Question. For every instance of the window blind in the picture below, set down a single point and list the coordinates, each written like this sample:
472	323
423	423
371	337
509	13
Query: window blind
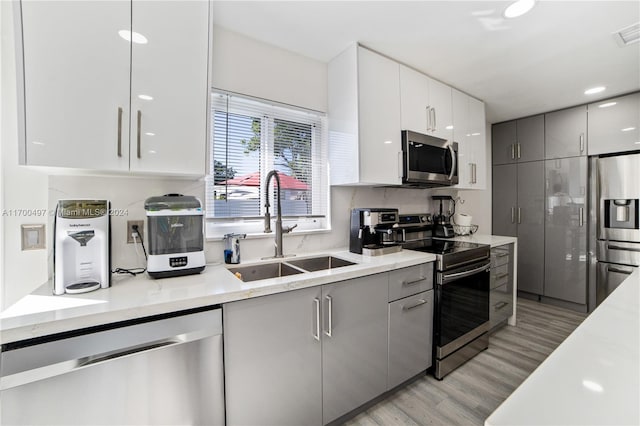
250	137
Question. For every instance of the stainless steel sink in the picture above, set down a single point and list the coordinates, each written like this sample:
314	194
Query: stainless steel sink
264	271
320	263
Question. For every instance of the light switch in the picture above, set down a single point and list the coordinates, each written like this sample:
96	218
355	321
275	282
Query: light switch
33	237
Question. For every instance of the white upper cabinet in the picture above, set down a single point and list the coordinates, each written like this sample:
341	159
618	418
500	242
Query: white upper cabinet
614	125
470	132
426	105
76	84
364	119
94	100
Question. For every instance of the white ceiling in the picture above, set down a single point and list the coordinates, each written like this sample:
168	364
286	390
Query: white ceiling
536	63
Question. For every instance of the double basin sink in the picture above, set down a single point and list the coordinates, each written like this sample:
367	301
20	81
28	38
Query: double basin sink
285	268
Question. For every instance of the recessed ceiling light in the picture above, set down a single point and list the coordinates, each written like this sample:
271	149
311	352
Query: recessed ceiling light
449	127
607	105
150	134
519	8
145	97
133	36
627	129
594	90
388	142
592	386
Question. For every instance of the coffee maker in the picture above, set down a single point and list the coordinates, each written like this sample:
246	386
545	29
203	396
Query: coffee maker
373	231
81	247
442	227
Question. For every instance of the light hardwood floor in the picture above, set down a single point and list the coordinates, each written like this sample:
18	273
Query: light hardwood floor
468	395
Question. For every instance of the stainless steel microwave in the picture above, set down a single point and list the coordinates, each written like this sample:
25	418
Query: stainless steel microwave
428	161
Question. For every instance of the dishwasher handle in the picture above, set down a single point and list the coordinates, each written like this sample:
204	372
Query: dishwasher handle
64	367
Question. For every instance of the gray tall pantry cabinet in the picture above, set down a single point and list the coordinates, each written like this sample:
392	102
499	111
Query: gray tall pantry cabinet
566	174
539	195
518	194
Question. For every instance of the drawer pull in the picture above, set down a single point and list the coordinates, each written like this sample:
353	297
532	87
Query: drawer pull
420	303
499	305
502	254
414	282
501	276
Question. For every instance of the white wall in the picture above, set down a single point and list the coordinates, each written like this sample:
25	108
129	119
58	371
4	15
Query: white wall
22	189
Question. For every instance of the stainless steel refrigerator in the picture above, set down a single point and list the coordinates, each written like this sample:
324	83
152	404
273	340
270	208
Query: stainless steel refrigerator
615	206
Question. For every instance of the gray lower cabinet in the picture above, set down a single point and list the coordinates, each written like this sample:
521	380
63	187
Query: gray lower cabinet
614	125
565	133
410	337
566	229
518	211
306	357
273	358
501	294
354	344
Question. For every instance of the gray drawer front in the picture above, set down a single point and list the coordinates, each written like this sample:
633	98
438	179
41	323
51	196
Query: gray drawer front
409	281
410	335
499	256
499	276
500	304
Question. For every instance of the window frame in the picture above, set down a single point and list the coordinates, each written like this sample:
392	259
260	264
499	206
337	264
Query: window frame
253	226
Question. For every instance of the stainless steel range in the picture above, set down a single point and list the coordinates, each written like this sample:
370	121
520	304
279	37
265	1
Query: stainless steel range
462	283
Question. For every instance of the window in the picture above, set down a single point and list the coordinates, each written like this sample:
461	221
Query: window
251	137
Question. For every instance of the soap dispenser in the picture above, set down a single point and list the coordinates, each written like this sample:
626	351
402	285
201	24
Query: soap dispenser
232	248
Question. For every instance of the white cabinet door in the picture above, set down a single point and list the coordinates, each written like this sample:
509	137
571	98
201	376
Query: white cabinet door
414	99
614	125
478	140
441	111
354	345
379	119
169	87
76	84
469	131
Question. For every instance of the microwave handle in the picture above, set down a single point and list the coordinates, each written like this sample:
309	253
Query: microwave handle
453	161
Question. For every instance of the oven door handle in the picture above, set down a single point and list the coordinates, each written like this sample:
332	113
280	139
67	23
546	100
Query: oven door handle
453	277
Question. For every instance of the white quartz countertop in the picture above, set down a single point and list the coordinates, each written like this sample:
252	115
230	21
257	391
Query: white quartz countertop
41	313
592	378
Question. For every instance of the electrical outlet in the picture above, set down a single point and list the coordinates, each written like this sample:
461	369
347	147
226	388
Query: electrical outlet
130	231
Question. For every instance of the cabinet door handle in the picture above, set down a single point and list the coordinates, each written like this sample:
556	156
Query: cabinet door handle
581	217
619	271
316	335
513	151
501	276
475	173
500	305
581	142
518	149
470	173
414	282
139	131
428	112
329	316
502	254
435	119
513	215
400	165
420	303
119	131
519	216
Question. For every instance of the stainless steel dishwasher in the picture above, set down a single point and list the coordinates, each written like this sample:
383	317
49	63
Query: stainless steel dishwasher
165	369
